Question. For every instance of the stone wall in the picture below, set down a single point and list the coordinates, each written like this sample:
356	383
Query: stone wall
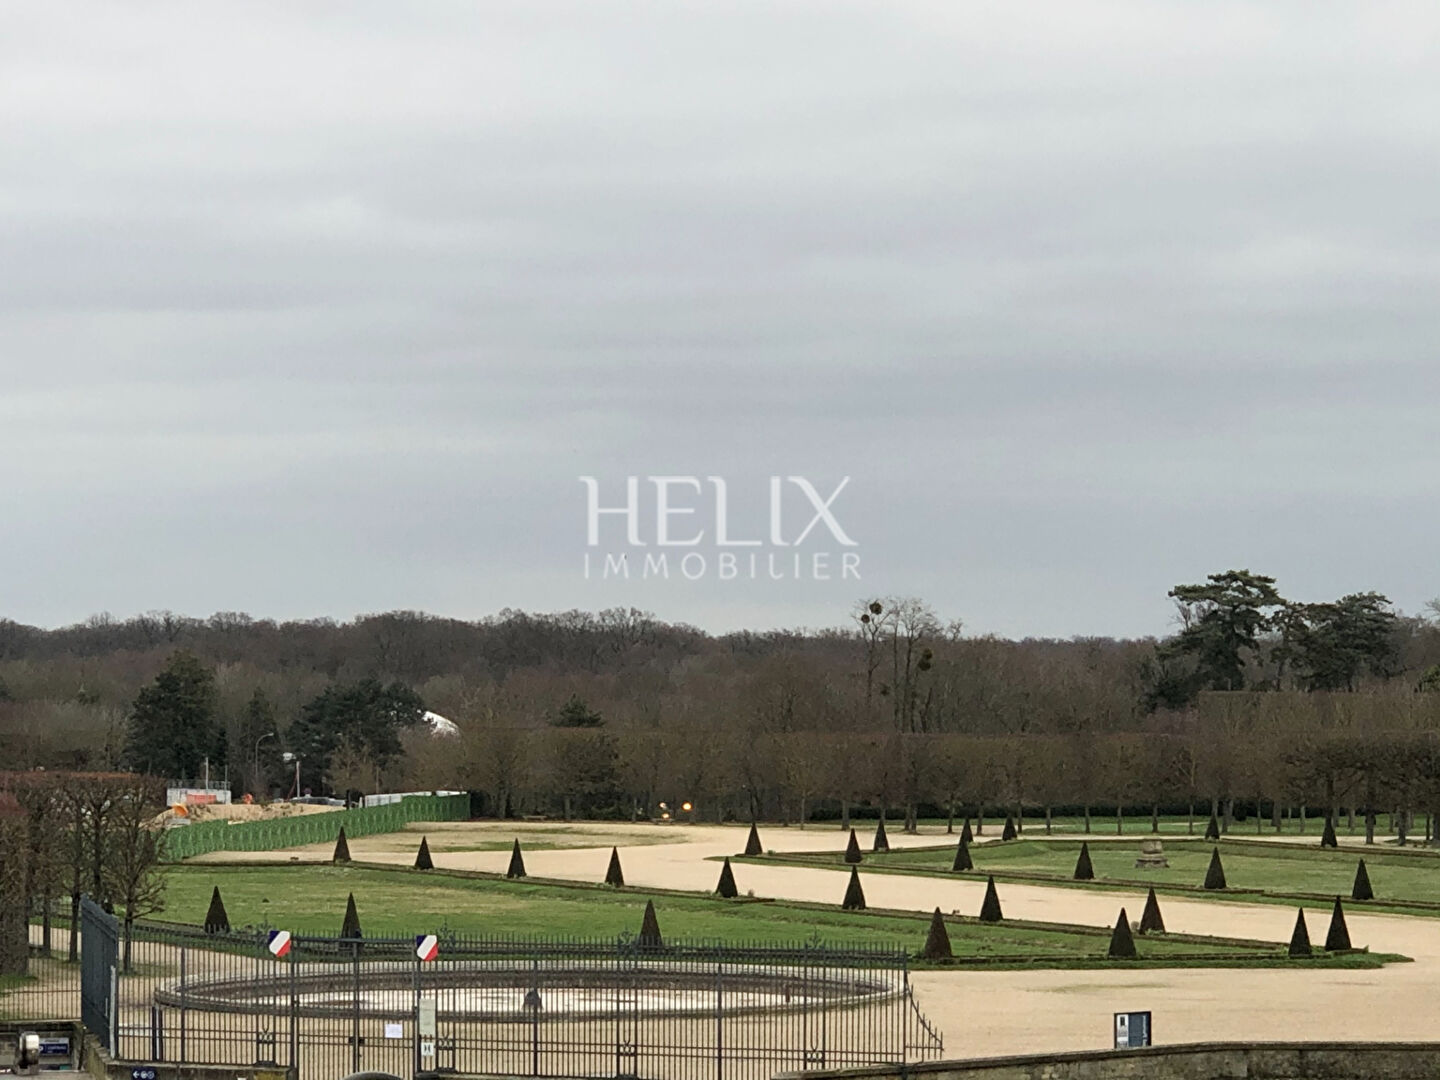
1198	1061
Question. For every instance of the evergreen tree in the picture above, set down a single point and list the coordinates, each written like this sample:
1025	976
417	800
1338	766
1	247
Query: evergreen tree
1212	830
727	888
1215	873
1008	833
422	857
1151	921
342	848
216	920
172	727
1083	870
990	906
882	842
854	894
1327	837
752	842
937	942
1300	938
1361	889
1122	942
368	718
965	834
613	876
852	849
650	929
350	928
962	861
1338	937
516	869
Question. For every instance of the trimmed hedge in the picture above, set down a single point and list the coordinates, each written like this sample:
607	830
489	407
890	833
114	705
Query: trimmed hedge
184	841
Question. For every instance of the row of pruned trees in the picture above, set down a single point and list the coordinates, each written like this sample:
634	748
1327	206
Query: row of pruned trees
70	835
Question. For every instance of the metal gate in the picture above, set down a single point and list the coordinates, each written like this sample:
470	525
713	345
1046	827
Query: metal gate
99	954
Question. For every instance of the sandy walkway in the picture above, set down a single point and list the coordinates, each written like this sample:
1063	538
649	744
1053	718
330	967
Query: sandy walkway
984	1013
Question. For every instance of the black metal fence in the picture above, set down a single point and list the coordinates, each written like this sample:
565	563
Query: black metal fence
513	1006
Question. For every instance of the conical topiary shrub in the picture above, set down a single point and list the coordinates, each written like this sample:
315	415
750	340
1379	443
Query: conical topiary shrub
854	894
1083	870
882	842
1327	837
1300	937
1338	937
1122	942
216	921
1212	830
613	876
350	928
727	888
422	857
1151	921
937	942
962	857
852	849
342	848
649	937
1215	875
752	842
516	869
966	836
1361	889
990	906
1008	833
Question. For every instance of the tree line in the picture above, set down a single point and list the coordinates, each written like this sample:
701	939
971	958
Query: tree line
614	712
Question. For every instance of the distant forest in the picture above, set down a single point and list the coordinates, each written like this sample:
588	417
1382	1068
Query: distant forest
1253	701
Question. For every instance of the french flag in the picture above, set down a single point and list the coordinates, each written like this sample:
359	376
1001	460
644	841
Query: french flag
280	942
427	946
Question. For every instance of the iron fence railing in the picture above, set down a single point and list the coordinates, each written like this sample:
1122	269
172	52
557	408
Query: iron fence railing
544	1007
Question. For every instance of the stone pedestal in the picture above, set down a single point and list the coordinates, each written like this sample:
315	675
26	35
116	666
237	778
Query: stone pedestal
1152	856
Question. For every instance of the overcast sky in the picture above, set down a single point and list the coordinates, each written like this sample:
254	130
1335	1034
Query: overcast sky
319	309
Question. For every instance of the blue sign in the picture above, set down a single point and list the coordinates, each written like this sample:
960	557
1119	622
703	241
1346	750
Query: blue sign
55	1046
142	1074
1132	1030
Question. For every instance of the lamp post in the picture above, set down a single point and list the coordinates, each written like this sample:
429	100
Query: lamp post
288	757
261	739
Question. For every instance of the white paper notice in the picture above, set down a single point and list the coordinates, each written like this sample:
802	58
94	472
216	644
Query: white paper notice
394	1031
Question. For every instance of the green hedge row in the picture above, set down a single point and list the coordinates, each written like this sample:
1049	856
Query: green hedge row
183	841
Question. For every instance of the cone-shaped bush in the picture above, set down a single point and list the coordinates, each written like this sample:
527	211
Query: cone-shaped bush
966	836
216	921
1338	937
613	876
854	894
852	849
422	857
962	856
727	888
882	842
1083	870
1122	942
1327	838
650	929
1361	889
1151	921
1212	831
752	842
1008	833
350	928
937	942
990	906
1215	875
517	863
342	848
1300	937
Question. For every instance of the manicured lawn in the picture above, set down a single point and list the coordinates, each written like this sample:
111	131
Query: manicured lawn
1102	825
1397	876
311	899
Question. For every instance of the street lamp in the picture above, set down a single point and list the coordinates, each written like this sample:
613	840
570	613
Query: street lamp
288	757
262	738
